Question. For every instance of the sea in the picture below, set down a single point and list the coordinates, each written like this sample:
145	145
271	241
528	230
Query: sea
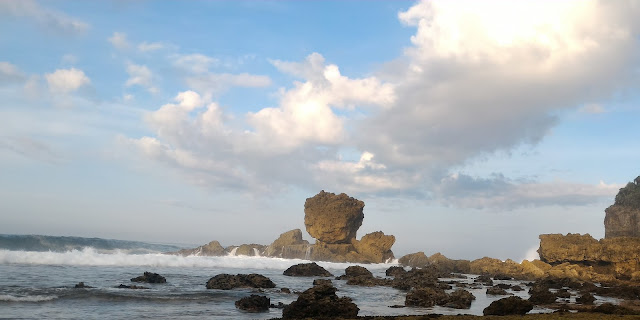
38	275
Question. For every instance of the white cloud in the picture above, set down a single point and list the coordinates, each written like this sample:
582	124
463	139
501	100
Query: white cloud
140	75
48	19
150	46
194	63
10	73
119	40
64	81
467	87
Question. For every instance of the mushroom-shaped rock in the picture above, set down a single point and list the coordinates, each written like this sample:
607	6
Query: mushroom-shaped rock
332	218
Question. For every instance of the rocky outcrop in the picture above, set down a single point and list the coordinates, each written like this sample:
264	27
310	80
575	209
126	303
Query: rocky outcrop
619	257
438	260
289	245
622	219
507	306
307	270
254	303
361	276
213	248
149	277
320	302
227	281
429	296
375	247
333	219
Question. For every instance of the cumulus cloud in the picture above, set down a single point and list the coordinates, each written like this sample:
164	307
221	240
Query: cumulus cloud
10	73
48	19
64	81
194	63
140	75
150	46
478	78
119	40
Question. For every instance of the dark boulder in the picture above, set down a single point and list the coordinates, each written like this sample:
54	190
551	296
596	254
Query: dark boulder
227	281
254	303
149	277
586	298
81	285
356	271
460	299
307	270
426	297
318	282
320	302
416	278
360	276
609	308
495	290
541	295
507	306
395	271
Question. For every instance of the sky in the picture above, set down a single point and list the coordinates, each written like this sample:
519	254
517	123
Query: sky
467	127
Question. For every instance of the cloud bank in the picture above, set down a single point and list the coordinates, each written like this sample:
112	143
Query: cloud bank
467	87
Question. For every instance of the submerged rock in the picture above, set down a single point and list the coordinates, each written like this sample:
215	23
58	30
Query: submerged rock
254	303
149	277
227	281
320	302
123	286
307	270
333	219
81	285
507	306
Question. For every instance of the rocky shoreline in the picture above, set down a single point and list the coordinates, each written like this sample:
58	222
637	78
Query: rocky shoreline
571	271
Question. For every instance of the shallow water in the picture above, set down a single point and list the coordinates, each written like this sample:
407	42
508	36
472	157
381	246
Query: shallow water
40	285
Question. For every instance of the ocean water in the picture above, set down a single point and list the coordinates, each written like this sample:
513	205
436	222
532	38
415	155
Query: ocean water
39	284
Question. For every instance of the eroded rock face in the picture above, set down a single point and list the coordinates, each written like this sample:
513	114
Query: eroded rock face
289	245
320	301
375	246
212	248
622	219
333	219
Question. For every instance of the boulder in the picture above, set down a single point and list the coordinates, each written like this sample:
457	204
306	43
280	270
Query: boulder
416	278
254	303
491	266
227	281
333	219
414	260
540	294
445	264
375	247
495	290
213	248
289	245
318	282
395	271
460	299
361	276
507	306
307	270
426	297
149	277
320	302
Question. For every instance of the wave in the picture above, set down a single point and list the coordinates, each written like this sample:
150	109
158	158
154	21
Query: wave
63	244
92	257
10	298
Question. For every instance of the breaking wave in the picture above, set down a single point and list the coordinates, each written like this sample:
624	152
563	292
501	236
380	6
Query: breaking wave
92	257
63	244
10	298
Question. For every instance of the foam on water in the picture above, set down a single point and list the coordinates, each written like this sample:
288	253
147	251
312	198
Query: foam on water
11	298
92	257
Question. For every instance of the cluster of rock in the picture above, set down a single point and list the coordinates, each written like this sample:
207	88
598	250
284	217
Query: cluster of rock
333	220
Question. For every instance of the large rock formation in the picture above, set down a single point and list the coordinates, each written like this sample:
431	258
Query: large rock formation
333	219
213	248
619	257
375	246
438	260
289	245
622	219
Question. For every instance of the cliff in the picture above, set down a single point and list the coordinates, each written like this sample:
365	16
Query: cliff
622	219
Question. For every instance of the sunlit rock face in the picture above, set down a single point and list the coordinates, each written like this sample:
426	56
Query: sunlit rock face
622	219
333	219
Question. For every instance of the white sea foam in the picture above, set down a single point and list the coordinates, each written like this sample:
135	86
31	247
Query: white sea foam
91	257
532	254
10	298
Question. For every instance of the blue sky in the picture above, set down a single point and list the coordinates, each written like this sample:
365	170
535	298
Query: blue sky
467	128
